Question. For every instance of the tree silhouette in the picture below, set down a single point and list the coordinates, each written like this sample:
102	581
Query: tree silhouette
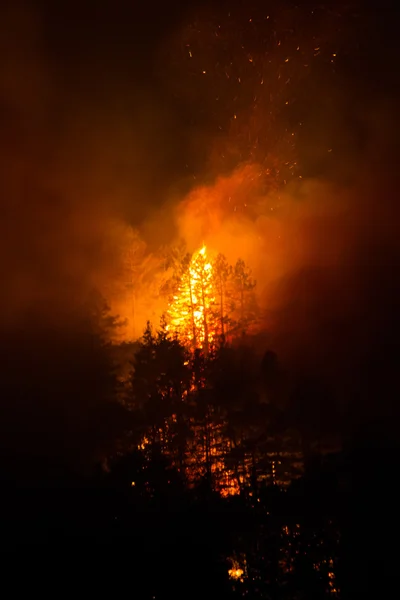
245	311
222	273
160	383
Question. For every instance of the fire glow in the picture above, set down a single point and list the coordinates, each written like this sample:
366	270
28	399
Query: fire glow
213	301
191	309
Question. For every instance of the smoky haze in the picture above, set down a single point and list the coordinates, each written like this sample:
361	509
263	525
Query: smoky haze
82	136
80	144
90	147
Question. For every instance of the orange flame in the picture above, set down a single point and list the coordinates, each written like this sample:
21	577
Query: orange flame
191	312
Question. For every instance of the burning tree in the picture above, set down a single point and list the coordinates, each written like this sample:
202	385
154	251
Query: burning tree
206	414
222	279
244	301
192	311
187	384
212	301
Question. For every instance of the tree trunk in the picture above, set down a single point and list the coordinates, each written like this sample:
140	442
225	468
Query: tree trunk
208	449
194	341
222	308
205	321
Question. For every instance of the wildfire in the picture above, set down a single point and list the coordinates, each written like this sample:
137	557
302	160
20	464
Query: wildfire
237	571
191	311
213	301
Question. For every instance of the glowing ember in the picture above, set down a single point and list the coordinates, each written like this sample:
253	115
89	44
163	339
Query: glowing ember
237	572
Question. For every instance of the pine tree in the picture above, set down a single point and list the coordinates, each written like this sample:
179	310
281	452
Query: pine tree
160	384
222	273
211	301
245	310
192	310
204	420
103	324
182	307
202	277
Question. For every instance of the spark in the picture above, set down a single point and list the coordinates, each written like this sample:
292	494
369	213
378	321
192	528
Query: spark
251	58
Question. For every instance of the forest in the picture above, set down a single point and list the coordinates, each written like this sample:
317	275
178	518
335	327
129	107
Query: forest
197	441
192	451
199	317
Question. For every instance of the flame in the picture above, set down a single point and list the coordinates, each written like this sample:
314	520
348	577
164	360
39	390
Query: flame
237	571
191	312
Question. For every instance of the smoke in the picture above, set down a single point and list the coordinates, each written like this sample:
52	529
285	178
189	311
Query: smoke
325	253
80	144
81	141
323	247
95	146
